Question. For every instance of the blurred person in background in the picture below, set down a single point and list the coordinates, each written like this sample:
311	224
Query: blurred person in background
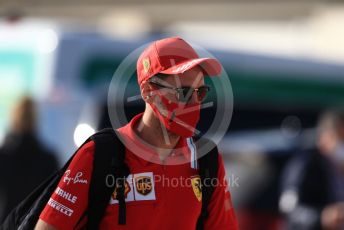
24	161
313	183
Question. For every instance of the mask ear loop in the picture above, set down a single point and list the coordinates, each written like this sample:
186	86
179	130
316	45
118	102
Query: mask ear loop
150	93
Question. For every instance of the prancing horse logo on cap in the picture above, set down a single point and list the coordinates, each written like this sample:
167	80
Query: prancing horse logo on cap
143	185
146	64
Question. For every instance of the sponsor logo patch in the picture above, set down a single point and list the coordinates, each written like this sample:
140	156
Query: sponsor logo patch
185	66
65	195
60	207
197	187
137	187
76	179
128	191
144	186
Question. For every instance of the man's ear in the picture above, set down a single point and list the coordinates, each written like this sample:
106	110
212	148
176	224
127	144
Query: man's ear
146	91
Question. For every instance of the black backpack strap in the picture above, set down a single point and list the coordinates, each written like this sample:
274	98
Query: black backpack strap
108	168
208	170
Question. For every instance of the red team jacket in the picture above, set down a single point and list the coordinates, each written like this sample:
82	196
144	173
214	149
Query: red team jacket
158	196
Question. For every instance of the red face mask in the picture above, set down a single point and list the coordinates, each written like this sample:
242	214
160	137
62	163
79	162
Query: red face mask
178	118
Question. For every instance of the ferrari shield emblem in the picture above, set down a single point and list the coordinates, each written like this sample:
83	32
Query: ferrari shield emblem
197	187
146	64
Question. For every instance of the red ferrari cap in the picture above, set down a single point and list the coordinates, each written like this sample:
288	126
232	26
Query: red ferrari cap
173	56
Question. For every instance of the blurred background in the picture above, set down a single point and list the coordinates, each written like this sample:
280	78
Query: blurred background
285	61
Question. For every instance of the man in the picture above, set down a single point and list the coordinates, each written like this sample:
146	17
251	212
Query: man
313	184
159	151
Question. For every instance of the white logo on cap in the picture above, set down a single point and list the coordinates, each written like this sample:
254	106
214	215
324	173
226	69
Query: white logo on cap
185	66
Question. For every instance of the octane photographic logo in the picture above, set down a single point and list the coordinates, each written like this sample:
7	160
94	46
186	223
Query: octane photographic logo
121	93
